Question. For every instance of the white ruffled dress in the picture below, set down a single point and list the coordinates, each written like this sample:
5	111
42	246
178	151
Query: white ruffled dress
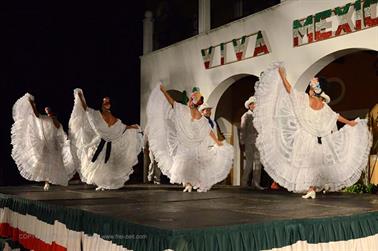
288	130
40	150
181	145
86	129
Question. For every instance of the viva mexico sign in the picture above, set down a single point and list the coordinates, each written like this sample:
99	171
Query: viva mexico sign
352	17
355	16
237	49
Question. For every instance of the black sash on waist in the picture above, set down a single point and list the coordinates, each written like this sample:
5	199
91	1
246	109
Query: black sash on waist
99	149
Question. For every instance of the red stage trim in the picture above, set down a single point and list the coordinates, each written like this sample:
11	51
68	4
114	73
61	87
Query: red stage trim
28	240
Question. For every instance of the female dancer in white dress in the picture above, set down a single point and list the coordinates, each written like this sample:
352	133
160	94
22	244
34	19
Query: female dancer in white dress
179	142
106	148
40	146
298	143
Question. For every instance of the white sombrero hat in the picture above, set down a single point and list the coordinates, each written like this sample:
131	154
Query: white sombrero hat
251	99
319	92
326	97
205	106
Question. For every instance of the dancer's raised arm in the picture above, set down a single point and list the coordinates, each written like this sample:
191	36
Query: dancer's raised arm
167	96
32	103
286	83
82	100
346	121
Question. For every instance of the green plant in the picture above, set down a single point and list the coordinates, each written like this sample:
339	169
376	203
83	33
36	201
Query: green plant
361	188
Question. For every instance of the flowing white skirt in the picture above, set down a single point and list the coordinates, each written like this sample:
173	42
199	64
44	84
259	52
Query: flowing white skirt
200	165
292	156
40	150
85	141
119	167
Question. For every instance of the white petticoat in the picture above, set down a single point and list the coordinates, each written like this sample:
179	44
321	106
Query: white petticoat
181	145
288	130
87	128
40	150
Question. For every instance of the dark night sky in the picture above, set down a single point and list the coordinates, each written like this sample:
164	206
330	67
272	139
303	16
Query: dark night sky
48	50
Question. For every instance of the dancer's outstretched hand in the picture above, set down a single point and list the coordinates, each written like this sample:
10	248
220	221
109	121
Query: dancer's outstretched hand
352	123
135	126
162	88
78	90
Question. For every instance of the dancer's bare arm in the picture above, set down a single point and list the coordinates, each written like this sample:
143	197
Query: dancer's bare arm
135	126
82	100
55	121
212	135
346	121
167	96
286	83
34	107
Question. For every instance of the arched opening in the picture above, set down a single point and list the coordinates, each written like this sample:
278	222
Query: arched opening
216	94
333	58
352	77
228	100
352	86
230	106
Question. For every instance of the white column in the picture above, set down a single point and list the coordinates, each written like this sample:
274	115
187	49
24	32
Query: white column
204	15
236	169
148	32
148	40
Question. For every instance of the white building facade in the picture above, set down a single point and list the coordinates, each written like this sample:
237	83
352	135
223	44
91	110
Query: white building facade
306	35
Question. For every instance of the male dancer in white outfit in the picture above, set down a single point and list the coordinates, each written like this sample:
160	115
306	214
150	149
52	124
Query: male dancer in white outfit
248	135
205	110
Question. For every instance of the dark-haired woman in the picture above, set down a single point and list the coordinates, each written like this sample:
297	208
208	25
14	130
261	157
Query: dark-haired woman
40	146
298	141
180	142
106	148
